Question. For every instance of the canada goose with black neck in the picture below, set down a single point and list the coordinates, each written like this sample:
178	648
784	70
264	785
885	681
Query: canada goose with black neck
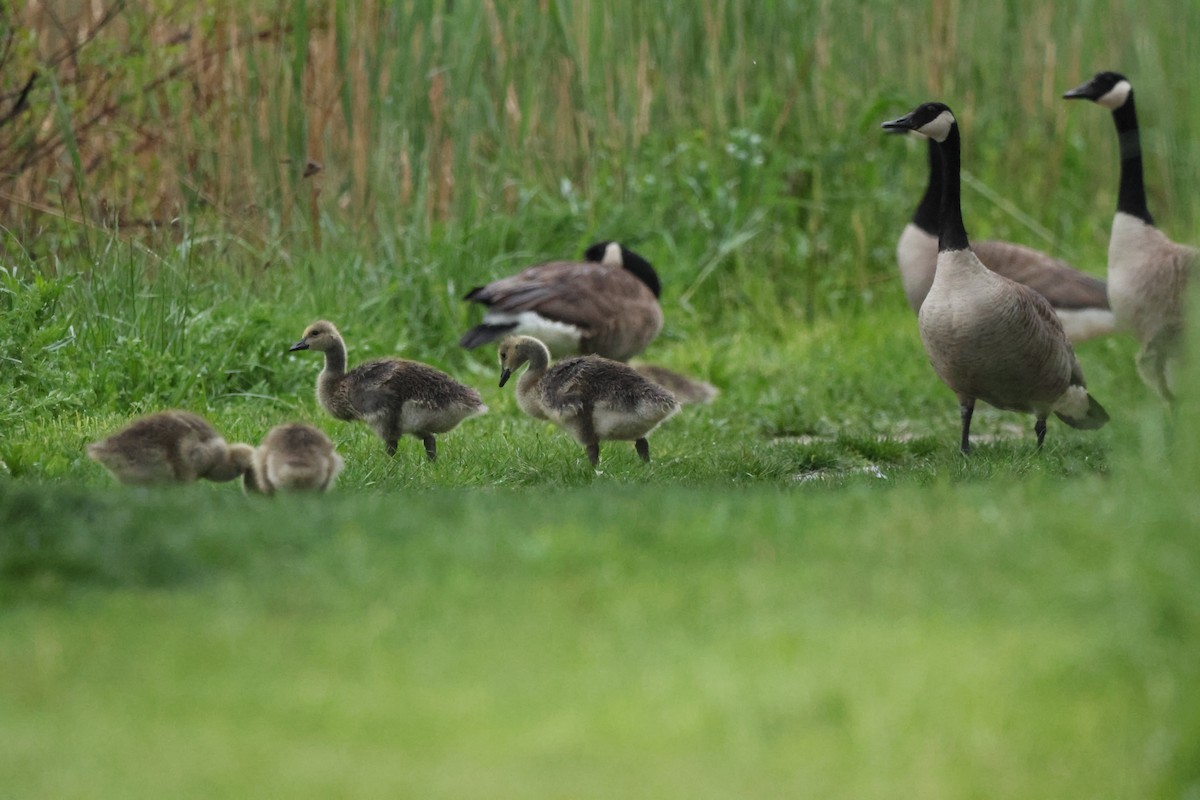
394	396
1079	299
591	397
988	337
606	304
1147	272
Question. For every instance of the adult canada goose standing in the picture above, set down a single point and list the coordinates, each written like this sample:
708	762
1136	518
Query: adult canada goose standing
394	396
1147	272
1079	299
989	337
294	457
606	304
170	447
591	397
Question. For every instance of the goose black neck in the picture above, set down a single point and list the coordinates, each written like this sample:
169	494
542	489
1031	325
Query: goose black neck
1131	198
645	273
928	213
953	235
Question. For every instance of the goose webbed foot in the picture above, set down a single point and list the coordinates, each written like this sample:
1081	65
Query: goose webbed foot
643	449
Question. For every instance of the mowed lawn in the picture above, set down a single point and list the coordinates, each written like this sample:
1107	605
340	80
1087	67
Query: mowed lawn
1011	638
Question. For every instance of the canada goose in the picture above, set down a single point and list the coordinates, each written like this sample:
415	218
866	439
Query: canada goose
606	304
393	396
1079	299
1147	272
293	457
170	447
591	397
989	337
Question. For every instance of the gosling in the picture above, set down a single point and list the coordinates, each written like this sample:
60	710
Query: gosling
591	397
294	457
393	396
170	447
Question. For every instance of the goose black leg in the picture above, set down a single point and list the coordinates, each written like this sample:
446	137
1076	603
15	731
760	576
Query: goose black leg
1039	428
593	453
966	408
430	445
391	447
643	449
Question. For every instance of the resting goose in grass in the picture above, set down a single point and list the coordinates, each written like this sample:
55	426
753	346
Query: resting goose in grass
393	396
170	447
606	304
1079	299
590	397
294	457
989	337
1147	272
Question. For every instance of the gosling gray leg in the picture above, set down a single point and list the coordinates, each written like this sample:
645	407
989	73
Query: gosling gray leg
391	447
966	408
587	434
430	445
643	449
1039	428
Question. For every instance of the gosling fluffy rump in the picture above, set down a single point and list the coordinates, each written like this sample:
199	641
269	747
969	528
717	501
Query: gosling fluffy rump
294	457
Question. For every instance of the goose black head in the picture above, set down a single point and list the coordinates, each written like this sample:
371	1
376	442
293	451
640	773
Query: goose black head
1109	89
933	120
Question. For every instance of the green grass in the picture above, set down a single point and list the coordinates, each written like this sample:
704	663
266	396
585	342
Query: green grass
809	591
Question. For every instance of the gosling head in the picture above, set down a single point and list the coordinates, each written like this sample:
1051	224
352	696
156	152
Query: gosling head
515	351
1110	89
932	120
320	336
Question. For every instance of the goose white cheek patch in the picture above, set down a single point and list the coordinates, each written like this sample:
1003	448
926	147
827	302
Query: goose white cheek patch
939	127
1115	97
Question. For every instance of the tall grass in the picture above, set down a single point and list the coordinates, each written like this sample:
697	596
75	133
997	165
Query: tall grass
259	165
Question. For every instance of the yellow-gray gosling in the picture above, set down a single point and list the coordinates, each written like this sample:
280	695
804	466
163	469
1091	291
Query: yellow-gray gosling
294	457
170	447
590	397
393	396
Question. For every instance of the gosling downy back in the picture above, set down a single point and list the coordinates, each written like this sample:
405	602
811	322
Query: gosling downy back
170	447
988	337
591	397
606	304
294	457
393	396
1147	272
1079	299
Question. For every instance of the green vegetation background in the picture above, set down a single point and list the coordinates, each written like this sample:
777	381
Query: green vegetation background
809	592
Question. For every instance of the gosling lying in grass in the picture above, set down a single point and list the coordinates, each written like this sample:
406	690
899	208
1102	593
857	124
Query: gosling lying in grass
170	447
590	397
